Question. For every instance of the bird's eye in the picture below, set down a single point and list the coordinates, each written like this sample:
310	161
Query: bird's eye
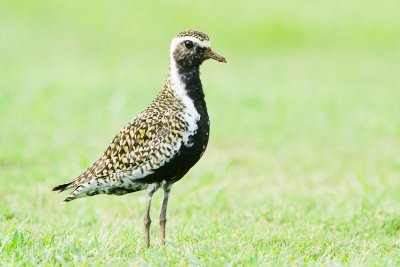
189	44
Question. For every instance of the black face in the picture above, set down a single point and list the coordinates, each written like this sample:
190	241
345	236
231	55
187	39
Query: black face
189	54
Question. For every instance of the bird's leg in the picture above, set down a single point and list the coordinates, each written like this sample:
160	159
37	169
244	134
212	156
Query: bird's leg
147	220
163	213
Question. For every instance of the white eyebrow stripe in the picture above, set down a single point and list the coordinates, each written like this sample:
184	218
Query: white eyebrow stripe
178	40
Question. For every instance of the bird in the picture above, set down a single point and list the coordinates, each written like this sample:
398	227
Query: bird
163	142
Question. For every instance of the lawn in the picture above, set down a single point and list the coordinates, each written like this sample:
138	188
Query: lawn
303	164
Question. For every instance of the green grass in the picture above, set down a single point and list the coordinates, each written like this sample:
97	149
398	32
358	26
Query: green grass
303	164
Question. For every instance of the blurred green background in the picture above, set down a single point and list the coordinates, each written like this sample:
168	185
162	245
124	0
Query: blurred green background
304	156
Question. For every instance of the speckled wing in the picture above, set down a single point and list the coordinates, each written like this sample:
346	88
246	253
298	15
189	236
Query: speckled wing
149	141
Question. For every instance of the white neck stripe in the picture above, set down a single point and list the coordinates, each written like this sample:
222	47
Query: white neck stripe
190	113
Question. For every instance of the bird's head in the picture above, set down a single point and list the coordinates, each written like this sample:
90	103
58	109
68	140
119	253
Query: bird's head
190	48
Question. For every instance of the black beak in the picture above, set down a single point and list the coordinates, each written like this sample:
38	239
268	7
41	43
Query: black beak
211	54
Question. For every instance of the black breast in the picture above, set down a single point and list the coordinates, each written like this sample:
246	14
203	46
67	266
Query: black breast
187	156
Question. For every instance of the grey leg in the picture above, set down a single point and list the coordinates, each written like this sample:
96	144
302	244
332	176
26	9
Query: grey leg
147	220
163	213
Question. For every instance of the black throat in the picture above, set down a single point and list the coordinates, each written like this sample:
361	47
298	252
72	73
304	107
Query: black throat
190	77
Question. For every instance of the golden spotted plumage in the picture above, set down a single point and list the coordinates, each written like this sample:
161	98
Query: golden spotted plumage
150	140
196	34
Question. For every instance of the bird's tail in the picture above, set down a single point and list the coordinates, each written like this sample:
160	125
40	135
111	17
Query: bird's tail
63	187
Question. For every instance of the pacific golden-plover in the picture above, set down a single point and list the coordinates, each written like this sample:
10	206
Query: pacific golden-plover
160	145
